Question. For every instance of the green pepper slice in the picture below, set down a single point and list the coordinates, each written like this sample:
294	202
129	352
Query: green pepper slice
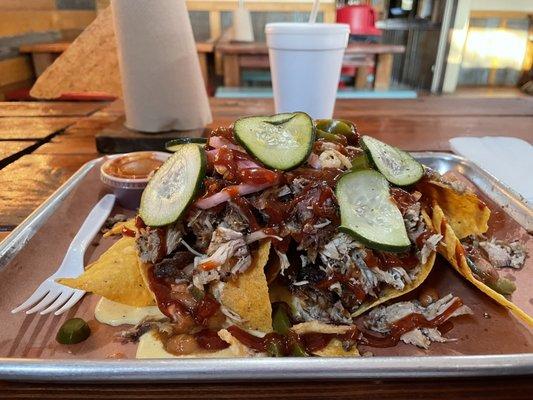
298	351
280	320
337	129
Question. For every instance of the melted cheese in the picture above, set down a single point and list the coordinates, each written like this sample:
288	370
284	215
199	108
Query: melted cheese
114	314
151	347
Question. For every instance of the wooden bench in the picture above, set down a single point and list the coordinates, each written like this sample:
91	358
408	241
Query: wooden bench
238	55
44	54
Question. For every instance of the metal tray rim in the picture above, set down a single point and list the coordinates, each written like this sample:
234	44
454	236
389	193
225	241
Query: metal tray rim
239	369
243	369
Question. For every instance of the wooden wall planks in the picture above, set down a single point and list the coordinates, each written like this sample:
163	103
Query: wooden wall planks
27	5
15	70
19	21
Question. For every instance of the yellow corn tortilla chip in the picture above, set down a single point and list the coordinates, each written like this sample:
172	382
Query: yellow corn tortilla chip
248	294
465	211
115	276
391	293
90	64
117	228
452	249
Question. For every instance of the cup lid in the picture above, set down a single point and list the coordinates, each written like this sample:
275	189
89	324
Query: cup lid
305	28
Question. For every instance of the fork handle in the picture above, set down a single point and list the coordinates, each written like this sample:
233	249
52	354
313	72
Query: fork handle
92	224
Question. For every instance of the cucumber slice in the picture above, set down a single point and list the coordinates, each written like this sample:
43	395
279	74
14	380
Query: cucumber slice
282	141
172	145
368	213
396	165
174	186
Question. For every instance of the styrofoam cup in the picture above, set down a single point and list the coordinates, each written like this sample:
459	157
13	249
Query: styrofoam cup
305	62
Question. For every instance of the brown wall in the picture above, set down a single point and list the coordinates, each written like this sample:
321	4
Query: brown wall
34	21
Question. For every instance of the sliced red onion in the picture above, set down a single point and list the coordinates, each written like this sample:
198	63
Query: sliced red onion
247	164
214	200
211	154
258	235
314	161
224	195
217	142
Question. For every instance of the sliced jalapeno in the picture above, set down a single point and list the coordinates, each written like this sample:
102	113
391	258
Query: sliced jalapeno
74	330
280	320
336	130
298	351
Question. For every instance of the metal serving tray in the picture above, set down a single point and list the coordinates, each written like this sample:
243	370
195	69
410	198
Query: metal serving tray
83	370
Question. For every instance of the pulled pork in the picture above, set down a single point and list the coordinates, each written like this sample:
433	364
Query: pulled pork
383	319
501	254
153	244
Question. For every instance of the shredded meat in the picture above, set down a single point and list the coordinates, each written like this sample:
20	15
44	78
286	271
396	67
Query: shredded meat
111	221
501	254
133	334
202	223
382	319
172	267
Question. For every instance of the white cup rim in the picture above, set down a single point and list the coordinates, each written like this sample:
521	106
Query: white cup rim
299	28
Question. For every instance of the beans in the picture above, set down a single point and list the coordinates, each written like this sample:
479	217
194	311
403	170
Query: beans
216	321
182	344
183	323
427	296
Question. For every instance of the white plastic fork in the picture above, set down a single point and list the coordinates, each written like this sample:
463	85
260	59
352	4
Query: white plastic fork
52	296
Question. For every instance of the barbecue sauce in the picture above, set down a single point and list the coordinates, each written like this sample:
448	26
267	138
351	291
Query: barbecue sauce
133	166
315	341
128	232
311	342
404	200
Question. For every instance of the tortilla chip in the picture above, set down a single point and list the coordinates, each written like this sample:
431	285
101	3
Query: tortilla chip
90	64
334	347
391	293
452	249
115	276
465	211
117	228
248	295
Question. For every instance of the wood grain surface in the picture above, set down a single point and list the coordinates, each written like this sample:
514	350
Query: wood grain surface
69	145
10	148
48	109
32	128
424	106
515	388
30	180
3	235
422	124
233	47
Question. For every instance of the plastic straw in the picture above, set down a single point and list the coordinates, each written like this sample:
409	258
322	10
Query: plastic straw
314	12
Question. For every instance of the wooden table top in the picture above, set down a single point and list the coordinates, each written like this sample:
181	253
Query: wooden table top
256	48
49	141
